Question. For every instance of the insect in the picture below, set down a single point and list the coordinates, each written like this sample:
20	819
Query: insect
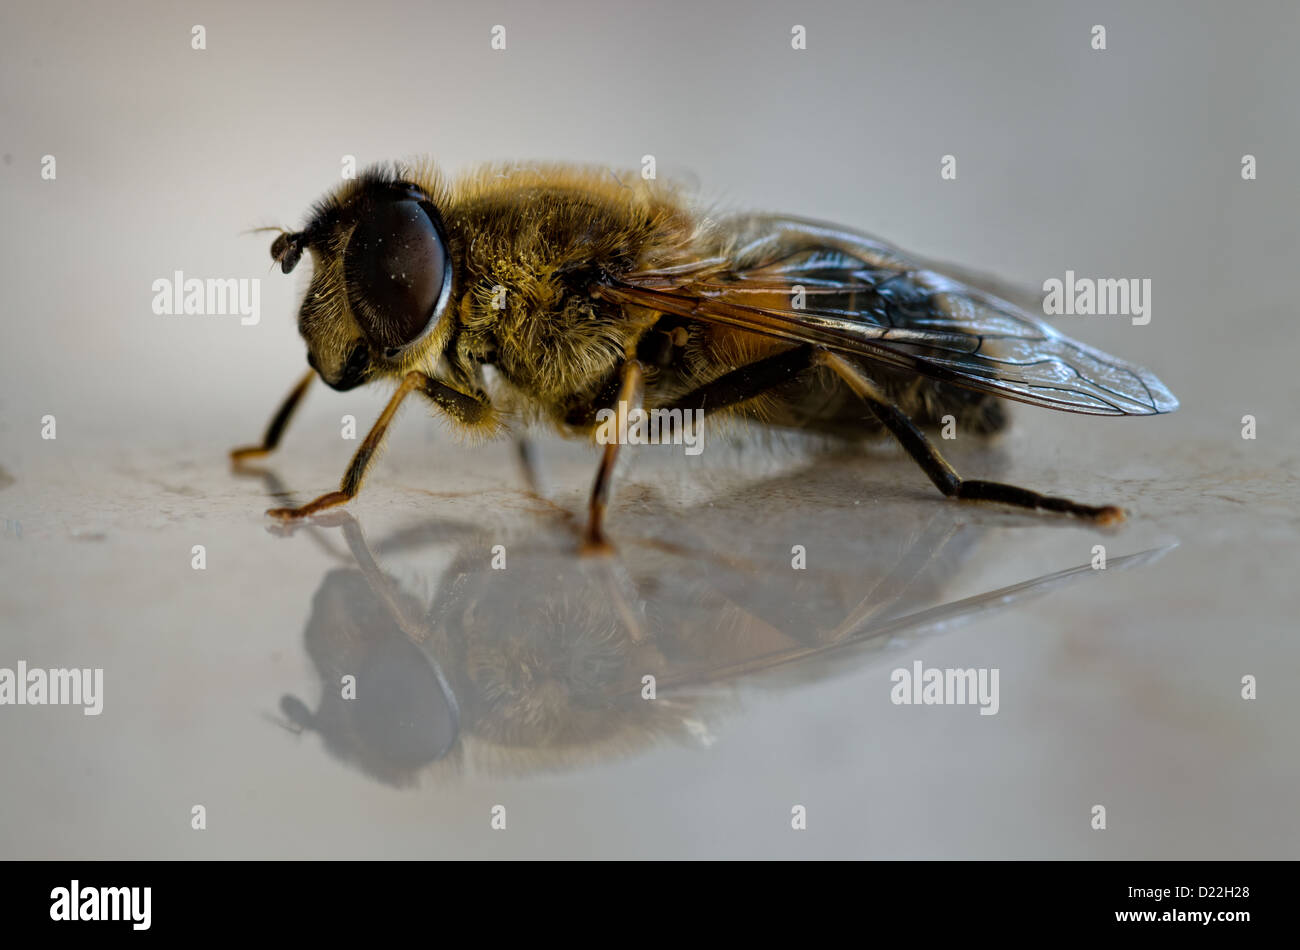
583	291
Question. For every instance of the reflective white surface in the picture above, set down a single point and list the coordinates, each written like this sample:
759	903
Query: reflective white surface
1120	688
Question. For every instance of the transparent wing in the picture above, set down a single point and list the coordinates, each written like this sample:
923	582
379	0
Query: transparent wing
813	283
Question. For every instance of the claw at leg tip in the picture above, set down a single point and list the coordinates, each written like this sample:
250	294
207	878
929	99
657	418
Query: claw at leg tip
1111	514
596	547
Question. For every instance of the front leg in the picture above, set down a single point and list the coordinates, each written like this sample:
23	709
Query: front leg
463	408
278	423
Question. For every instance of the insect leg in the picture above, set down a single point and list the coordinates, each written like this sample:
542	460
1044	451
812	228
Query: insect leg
943	475
630	394
748	381
279	422
456	404
530	464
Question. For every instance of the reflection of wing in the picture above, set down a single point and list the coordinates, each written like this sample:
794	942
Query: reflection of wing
861	296
860	631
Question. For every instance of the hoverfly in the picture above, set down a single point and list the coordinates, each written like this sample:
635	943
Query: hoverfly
584	292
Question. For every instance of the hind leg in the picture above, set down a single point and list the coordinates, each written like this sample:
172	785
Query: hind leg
934	465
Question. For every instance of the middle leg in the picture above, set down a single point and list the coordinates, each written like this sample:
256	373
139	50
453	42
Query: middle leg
631	391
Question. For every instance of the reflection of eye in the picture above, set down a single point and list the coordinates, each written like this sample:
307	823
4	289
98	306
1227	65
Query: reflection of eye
396	270
402	711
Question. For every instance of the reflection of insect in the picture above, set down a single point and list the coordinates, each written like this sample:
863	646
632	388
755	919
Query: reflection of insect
584	292
545	666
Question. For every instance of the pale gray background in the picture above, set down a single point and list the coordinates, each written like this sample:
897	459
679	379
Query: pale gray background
1120	689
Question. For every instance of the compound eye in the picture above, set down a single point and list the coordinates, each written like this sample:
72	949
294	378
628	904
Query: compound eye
397	272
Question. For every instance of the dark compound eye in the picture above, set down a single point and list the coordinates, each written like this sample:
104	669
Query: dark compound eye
397	272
